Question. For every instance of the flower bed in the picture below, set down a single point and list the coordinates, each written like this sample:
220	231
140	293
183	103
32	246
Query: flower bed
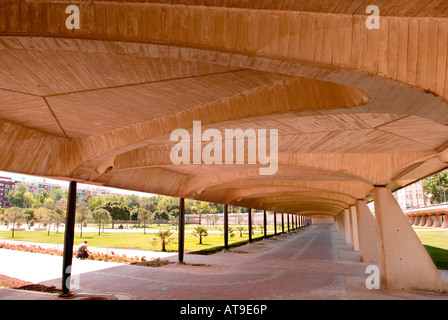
107	257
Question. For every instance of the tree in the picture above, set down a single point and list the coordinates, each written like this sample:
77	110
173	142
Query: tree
48	203
162	237
28	216
101	217
145	217
230	231
200	232
436	185
2	215
165	207
40	214
132	201
19	197
40	198
83	214
241	230
149	203
50	217
117	210
61	209
13	215
56	194
95	202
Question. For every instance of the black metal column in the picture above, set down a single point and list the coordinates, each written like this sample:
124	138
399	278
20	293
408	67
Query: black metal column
287	217
69	236
283	223
265	224
275	223
226	227
249	222
181	230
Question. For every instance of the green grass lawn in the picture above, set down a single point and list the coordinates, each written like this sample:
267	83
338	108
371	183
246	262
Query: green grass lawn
128	240
436	243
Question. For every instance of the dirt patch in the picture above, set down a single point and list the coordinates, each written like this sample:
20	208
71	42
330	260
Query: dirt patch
15	283
40	288
198	268
152	263
238	251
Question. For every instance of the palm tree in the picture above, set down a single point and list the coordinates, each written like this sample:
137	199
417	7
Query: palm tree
241	230
163	238
200	232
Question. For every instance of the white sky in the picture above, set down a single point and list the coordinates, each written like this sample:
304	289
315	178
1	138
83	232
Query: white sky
28	178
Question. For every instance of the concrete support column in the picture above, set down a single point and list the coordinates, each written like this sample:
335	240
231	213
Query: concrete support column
429	221
368	233
404	262
436	223
422	221
354	228
416	221
339	220
347	230
411	219
445	221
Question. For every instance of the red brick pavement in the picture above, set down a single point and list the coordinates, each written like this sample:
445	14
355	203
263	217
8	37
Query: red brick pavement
301	265
314	263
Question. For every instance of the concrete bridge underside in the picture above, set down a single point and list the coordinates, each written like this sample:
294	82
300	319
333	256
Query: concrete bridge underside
359	112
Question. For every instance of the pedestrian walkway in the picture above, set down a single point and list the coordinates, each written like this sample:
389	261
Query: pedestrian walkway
314	263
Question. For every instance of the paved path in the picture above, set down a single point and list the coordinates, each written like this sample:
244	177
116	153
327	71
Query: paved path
311	264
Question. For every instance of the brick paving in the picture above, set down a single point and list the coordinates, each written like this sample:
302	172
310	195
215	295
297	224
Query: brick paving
314	263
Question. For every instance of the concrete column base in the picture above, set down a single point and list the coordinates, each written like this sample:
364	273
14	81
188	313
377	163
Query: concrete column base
422	221
404	262
416	221
436	223
445	221
429	221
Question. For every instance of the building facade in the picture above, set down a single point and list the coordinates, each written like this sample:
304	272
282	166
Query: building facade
6	184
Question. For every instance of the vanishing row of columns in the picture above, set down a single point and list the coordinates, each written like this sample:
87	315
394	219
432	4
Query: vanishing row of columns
436	220
293	222
387	239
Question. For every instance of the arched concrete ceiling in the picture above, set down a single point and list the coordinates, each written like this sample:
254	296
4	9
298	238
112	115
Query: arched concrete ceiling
353	107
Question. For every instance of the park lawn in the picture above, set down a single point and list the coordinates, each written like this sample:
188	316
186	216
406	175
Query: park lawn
126	240
436	243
